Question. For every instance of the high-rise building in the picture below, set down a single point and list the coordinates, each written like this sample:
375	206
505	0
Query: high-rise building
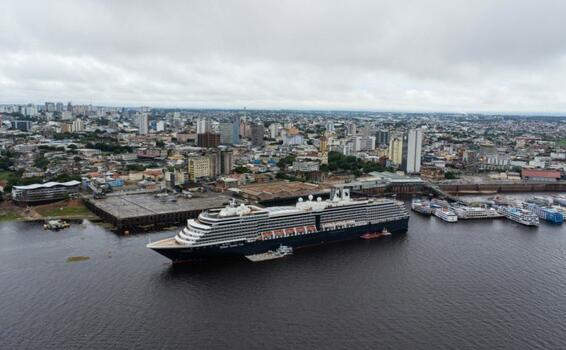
330	127
215	163
323	144
29	110
199	167
352	129
258	131
412	147
226	162
49	107
203	126
77	125
143	124
274	130
396	149
236	130
208	140
160	126
382	137
226	130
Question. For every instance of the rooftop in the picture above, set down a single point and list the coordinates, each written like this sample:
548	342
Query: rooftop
48	185
143	204
279	190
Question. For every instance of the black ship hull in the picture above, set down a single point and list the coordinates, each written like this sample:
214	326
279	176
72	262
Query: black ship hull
238	249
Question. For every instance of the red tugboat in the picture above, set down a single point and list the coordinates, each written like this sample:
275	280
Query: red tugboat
383	233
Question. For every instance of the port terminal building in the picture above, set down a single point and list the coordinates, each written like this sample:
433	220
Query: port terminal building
45	193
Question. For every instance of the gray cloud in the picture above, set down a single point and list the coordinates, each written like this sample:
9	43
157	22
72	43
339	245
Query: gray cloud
381	55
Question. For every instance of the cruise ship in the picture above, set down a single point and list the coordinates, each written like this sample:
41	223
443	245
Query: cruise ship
467	213
546	213
446	214
241	230
519	215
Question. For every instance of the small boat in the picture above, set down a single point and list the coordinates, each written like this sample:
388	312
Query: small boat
373	235
280	252
55	225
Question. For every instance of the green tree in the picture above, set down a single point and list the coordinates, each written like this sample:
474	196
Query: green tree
450	175
285	161
41	162
242	170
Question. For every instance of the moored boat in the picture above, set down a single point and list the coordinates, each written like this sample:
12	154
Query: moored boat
421	206
522	216
373	235
446	214
280	252
466	213
546	213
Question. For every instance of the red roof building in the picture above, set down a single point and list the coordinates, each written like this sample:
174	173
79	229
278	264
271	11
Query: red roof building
540	174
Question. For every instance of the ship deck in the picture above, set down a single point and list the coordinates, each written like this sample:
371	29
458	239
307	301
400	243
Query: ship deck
164	243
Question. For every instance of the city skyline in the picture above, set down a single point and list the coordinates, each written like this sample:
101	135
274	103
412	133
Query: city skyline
488	57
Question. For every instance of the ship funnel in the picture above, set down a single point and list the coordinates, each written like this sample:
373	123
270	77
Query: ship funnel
345	194
335	195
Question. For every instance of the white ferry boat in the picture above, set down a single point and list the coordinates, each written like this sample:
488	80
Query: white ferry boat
519	215
467	213
446	214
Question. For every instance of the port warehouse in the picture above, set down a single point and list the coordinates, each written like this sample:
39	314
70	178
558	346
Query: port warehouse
279	192
557	186
141	211
44	193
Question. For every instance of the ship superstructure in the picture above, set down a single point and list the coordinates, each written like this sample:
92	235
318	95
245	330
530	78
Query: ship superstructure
249	229
467	213
421	206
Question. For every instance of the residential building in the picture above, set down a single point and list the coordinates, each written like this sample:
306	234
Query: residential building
23	125
198	167
208	140
143	127
412	148
396	150
382	137
364	143
258	131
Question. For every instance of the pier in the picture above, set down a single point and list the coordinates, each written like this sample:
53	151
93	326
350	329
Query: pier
144	211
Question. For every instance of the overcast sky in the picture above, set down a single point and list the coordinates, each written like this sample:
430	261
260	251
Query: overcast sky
446	55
